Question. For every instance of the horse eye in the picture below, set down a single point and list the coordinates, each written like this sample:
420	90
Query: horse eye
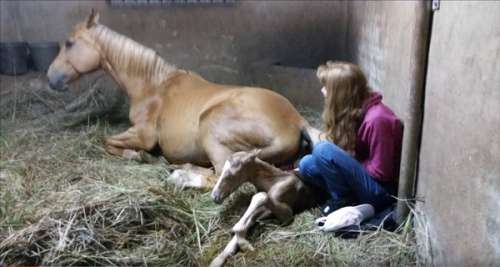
69	44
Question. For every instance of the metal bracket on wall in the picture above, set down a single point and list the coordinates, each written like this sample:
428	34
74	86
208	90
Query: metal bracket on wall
435	5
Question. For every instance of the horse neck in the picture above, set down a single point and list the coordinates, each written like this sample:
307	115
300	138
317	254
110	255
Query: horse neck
264	175
137	69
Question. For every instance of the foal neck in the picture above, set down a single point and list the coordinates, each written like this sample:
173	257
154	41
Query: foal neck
264	175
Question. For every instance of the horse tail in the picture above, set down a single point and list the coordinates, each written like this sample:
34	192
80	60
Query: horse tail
309	137
305	143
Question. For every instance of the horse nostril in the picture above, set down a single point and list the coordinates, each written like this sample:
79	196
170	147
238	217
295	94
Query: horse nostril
52	85
56	80
57	85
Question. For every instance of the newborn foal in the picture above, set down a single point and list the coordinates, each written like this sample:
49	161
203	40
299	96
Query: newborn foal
280	193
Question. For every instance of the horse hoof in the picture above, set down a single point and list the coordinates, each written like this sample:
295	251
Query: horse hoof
183	178
131	154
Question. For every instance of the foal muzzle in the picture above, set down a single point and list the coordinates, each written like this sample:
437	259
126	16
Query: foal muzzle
217	197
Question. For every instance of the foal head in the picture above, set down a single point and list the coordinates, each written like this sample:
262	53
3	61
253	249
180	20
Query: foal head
78	55
235	172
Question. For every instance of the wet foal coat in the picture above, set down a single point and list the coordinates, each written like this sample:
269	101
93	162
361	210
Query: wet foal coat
281	194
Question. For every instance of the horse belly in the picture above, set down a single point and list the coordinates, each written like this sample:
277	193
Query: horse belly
179	144
280	120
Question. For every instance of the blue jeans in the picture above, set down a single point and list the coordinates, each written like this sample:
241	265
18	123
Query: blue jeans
343	177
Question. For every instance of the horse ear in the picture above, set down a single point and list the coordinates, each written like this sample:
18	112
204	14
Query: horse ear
92	19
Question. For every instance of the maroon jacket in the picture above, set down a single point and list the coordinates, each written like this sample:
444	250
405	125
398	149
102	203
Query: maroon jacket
379	140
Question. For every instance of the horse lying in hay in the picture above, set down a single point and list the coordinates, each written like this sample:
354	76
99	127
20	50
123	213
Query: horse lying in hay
190	119
280	193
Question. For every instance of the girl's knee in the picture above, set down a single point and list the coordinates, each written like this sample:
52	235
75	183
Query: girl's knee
326	151
306	164
308	170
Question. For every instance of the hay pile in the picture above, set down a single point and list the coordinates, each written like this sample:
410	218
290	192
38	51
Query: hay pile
28	98
65	201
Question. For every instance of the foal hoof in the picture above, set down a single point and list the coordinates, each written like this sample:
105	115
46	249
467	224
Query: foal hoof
218	261
245	245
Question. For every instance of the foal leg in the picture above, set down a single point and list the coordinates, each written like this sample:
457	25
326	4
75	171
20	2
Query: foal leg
230	249
277	203
281	210
256	210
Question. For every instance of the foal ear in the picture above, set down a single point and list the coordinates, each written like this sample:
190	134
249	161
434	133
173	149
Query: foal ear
254	153
92	19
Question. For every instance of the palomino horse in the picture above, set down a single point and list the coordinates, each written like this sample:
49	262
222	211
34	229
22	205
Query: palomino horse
190	119
281	194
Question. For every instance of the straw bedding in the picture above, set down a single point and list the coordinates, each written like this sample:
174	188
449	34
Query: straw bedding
65	201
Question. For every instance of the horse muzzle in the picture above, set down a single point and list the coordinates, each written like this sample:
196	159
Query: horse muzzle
57	81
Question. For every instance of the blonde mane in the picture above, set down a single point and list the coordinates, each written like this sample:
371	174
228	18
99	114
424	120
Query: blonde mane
127	55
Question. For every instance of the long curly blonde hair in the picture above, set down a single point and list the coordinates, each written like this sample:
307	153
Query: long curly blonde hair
346	90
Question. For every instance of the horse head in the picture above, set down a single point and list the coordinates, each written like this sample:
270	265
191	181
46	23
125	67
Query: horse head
78	55
235	172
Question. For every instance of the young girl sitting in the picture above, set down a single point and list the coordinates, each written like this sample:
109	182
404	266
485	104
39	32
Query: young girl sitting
358	161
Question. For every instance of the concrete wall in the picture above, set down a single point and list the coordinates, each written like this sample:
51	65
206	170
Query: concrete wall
221	42
382	37
385	38
459	176
388	39
298	84
238	43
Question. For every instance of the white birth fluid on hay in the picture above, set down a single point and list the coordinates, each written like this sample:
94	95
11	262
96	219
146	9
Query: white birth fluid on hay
65	201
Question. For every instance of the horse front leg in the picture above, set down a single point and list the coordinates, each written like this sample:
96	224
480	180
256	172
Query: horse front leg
186	176
192	176
132	143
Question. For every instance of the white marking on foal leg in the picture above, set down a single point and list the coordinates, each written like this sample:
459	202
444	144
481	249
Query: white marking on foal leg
255	210
228	251
256	207
227	166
